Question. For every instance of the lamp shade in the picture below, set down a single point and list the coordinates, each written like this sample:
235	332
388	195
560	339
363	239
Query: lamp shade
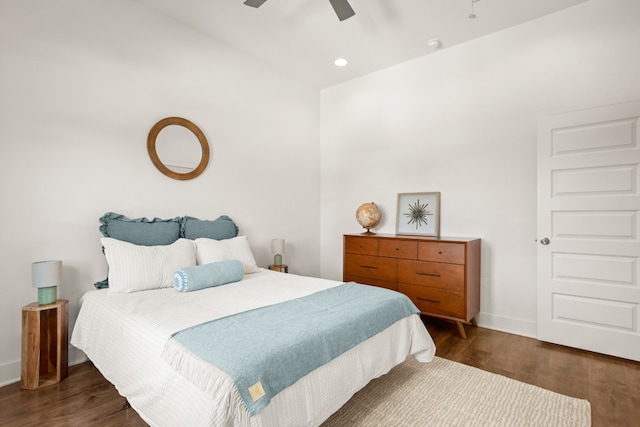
45	274
277	246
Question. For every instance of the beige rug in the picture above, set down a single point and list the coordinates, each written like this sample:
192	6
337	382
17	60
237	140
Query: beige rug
446	393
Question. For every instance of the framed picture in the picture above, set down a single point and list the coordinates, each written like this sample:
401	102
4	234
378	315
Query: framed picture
418	214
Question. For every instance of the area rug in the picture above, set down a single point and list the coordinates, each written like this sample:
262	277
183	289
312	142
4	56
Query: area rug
446	393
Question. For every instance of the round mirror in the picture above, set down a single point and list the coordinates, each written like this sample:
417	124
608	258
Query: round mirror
173	150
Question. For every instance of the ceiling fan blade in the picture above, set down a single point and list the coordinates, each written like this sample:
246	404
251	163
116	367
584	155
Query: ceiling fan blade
343	9
254	3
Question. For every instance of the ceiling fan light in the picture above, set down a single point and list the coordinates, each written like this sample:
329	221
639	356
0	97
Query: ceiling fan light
340	62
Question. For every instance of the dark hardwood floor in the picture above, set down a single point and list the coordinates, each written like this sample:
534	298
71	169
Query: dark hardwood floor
612	385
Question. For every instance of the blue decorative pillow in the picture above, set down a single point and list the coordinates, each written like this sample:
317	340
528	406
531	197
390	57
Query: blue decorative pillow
156	232
218	229
217	273
140	231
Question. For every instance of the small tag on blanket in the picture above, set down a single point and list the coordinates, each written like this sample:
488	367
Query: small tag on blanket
256	391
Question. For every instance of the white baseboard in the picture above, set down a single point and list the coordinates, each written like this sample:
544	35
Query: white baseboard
511	325
10	371
76	356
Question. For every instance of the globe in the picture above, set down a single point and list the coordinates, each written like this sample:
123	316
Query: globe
368	216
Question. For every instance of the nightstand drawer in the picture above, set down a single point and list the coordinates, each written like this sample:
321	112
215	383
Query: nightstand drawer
441	252
433	274
370	266
361	245
435	301
398	249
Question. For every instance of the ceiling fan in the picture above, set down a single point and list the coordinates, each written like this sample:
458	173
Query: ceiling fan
341	7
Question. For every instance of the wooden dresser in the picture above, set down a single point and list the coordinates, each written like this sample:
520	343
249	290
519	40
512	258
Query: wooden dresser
441	275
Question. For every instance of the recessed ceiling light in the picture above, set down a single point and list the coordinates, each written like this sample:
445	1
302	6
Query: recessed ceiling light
340	62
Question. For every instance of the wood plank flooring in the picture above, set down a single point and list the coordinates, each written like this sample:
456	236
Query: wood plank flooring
612	385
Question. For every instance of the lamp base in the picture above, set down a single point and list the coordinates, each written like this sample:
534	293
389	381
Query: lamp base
277	259
47	295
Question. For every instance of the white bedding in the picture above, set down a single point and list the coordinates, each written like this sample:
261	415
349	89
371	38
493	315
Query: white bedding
124	336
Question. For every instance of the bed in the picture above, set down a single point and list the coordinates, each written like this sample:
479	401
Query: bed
129	337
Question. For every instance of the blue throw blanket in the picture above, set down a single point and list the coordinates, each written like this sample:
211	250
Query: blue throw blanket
267	349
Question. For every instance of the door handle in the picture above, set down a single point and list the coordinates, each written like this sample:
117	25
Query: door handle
544	241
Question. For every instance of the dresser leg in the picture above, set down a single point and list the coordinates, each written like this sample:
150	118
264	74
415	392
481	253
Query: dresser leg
463	334
474	322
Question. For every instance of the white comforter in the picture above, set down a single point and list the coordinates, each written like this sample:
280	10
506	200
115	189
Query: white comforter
124	336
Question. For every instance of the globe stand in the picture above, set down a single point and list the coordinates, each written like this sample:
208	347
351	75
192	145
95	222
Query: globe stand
368	233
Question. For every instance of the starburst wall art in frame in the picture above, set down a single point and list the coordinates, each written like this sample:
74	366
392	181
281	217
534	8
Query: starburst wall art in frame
418	214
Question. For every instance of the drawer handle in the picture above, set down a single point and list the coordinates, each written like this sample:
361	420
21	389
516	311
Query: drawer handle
369	266
427	274
428	300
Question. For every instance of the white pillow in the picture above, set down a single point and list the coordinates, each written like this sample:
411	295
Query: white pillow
210	250
135	268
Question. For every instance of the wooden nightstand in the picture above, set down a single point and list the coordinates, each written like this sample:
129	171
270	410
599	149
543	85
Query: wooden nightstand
281	268
44	344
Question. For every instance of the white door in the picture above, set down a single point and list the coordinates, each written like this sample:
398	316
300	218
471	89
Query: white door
588	230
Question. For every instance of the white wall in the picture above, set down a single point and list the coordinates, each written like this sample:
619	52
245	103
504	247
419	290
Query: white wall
81	84
462	121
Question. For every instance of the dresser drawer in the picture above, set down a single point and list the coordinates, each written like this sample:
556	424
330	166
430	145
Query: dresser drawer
435	301
398	249
433	274
361	245
370	266
441	252
371	281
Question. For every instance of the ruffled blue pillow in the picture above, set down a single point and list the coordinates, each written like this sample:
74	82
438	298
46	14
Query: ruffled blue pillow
140	231
219	229
217	273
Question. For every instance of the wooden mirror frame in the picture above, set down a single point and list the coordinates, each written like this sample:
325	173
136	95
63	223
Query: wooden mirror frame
153	153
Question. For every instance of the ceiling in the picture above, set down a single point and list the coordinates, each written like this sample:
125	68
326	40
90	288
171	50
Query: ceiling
304	37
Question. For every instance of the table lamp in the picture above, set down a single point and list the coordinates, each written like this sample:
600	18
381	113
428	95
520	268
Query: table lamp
46	276
277	249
